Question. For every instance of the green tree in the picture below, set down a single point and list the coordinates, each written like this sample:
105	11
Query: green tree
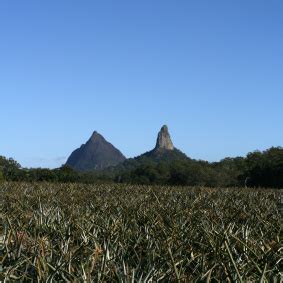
265	169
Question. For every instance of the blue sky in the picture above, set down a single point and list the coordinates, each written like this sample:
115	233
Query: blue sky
211	70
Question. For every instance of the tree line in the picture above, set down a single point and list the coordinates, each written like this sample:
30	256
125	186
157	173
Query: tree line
257	169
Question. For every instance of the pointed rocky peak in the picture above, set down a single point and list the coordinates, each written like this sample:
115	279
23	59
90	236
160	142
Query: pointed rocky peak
96	154
96	136
164	139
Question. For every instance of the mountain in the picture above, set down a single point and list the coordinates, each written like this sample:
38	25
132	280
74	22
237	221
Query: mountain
163	152
96	154
164	149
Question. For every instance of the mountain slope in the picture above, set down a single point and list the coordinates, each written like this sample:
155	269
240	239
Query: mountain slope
164	152
96	154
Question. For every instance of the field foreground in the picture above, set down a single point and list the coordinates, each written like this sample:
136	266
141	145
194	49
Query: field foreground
112	233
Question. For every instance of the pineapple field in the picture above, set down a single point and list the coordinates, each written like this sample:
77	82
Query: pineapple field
129	233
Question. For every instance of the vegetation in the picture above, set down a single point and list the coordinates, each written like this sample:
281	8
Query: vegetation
115	233
1	177
12	171
265	168
257	169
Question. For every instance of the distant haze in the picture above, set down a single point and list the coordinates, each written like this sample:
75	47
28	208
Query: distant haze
211	70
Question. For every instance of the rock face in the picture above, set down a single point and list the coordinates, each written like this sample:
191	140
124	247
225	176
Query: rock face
96	154
164	149
164	139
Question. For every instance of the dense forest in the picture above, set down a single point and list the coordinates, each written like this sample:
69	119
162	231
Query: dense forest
257	169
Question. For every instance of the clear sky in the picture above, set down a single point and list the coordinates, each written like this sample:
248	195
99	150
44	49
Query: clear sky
211	70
